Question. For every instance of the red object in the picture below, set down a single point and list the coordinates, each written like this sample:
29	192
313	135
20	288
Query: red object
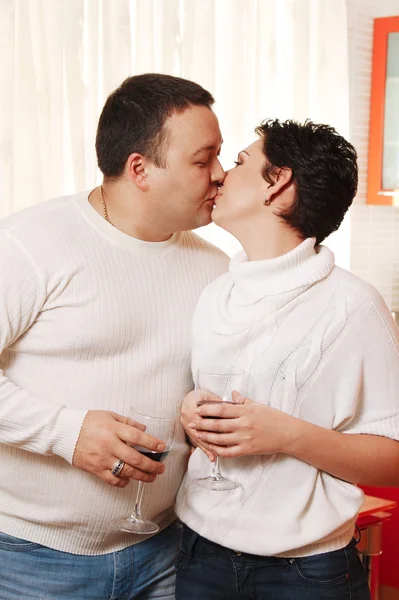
389	560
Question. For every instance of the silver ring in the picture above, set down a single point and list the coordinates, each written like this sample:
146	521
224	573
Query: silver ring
117	468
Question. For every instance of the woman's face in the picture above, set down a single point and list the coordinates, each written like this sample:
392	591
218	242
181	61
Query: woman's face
241	197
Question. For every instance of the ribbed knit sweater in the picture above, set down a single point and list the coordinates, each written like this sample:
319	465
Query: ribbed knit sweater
318	343
90	318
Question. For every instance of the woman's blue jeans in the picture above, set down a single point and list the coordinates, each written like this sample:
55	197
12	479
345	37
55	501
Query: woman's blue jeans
207	571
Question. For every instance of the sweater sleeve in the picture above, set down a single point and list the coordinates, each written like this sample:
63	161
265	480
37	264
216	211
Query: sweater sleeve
377	399
26	421
356	389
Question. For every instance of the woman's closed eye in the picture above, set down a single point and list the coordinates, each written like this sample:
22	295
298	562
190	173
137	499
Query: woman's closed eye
237	163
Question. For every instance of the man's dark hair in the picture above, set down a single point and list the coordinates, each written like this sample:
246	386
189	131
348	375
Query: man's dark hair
134	115
324	171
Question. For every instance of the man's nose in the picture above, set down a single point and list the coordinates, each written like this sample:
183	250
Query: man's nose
218	175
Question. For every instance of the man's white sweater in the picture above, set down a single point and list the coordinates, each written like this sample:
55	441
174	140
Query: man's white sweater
319	344
90	318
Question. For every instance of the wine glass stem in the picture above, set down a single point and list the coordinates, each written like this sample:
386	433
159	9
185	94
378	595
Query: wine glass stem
136	514
216	469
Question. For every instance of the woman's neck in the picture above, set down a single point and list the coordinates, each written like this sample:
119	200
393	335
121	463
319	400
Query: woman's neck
259	244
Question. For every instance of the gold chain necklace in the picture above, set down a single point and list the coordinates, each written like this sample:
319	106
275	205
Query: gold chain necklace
106	217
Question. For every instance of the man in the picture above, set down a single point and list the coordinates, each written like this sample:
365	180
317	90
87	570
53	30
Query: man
96	299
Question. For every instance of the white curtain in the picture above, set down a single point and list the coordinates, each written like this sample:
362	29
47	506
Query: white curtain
270	58
61	58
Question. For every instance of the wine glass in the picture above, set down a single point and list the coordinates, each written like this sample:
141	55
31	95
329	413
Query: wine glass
162	425
222	385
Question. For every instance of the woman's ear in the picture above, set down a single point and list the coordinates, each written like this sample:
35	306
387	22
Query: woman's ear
136	167
282	178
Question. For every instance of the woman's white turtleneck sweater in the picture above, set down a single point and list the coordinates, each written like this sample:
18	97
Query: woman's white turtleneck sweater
317	343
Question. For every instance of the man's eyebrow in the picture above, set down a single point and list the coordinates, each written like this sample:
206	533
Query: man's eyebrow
204	148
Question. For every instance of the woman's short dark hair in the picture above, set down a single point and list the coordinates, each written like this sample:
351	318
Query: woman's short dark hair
324	170
134	115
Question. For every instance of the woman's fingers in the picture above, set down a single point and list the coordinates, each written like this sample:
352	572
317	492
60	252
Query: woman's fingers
215	425
221	410
218	439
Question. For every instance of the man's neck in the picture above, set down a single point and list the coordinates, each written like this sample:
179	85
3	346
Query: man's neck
125	213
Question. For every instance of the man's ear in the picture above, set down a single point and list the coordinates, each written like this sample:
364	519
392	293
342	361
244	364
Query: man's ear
137	166
282	178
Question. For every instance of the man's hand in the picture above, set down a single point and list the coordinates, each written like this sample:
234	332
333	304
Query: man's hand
241	429
106	437
188	414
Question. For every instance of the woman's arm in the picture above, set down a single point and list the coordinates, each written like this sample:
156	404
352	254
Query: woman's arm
253	428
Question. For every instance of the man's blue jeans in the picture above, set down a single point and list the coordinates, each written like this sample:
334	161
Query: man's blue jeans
144	571
207	571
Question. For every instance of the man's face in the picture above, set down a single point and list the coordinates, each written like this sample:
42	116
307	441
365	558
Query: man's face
185	189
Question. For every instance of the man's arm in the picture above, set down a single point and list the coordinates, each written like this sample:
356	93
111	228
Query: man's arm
37	425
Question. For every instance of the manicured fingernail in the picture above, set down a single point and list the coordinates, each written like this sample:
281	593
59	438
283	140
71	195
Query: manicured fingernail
160	447
192	425
198	411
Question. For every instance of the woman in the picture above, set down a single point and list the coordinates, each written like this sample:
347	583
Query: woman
321	353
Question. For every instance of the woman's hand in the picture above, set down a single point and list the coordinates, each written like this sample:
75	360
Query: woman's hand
240	429
253	428
189	406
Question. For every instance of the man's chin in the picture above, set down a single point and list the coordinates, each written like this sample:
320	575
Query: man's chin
205	218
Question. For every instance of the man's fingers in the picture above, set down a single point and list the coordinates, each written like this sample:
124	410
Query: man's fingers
136	424
129	473
123	481
104	439
127	421
135	460
138	475
135	437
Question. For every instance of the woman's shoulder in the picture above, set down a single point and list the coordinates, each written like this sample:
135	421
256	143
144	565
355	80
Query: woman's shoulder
364	304
353	287
212	291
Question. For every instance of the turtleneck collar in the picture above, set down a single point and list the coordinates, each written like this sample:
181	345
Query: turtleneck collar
253	291
303	266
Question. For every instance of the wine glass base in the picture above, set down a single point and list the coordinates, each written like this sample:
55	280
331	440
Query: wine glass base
136	526
216	484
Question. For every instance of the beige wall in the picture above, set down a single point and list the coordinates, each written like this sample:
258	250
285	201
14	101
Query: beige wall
374	229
